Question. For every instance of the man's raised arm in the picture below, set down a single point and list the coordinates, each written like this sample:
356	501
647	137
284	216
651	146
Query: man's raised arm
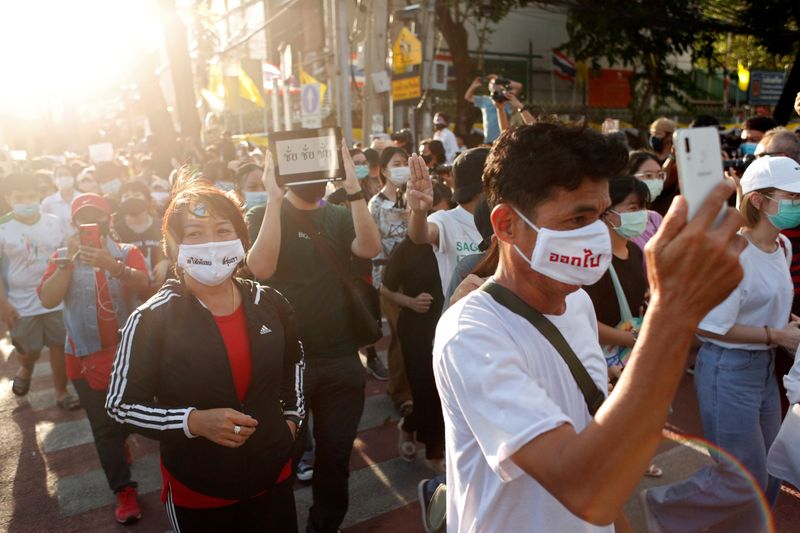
691	269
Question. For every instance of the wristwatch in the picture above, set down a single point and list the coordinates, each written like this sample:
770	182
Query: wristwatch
356	196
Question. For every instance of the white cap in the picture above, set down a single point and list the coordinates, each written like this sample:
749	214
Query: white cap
772	172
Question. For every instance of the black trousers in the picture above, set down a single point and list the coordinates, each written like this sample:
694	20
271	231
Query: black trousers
334	392
109	436
416	339
270	512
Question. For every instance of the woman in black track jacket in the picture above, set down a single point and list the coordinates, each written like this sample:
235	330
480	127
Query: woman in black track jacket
212	367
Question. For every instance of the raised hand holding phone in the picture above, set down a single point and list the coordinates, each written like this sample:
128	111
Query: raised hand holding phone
697	152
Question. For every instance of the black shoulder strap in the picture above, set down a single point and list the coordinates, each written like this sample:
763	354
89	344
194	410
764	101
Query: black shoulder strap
593	396
308	228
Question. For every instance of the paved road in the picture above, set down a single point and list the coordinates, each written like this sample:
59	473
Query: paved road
50	477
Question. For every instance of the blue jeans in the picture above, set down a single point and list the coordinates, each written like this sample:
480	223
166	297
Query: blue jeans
740	409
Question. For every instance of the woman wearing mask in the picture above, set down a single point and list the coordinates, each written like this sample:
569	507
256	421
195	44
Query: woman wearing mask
211	366
412	282
432	153
389	211
737	389
249	187
371	185
643	165
136	224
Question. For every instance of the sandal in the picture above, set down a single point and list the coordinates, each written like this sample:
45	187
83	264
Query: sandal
21	386
405	444
654	471
69	403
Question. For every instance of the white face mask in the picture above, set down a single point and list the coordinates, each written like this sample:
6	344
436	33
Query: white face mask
399	175
575	257
64	182
655	187
211	263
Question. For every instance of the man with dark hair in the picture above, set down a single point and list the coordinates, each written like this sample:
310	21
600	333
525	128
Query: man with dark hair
28	238
443	134
284	254
754	128
523	450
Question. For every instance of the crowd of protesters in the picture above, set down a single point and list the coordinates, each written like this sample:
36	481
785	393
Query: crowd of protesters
524	282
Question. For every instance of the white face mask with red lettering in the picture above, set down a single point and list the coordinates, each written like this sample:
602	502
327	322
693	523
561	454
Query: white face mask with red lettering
575	257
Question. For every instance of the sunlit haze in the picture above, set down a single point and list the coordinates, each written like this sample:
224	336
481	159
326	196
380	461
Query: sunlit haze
57	52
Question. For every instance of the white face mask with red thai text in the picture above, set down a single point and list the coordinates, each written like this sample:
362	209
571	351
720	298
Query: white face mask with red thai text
575	257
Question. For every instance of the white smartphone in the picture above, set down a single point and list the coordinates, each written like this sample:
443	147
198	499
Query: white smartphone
699	157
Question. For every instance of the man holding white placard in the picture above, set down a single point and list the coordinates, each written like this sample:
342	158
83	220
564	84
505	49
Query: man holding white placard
293	262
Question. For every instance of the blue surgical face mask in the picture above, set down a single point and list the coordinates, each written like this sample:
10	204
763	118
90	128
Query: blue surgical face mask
111	187
631	224
26	210
254	198
362	171
788	215
224	186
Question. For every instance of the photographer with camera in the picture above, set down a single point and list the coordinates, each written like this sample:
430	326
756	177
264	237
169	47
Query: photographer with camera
494	107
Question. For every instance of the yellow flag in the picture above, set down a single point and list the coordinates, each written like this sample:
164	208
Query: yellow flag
248	90
744	78
305	77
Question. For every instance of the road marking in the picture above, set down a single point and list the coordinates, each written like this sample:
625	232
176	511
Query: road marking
54	437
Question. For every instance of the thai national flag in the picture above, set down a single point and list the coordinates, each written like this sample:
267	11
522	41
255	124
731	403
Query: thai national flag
563	67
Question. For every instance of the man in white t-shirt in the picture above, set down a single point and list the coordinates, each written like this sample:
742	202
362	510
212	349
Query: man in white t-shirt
452	233
523	452
27	240
444	135
60	203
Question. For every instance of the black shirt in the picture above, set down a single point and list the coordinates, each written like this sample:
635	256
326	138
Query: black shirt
632	278
316	292
412	269
149	241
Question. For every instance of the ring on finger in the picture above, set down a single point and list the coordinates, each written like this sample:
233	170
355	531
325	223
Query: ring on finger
237	429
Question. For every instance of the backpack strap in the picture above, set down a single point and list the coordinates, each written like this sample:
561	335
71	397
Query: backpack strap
593	396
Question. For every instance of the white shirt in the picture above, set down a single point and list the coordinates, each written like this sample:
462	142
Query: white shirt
502	384
458	238
24	251
763	298
55	205
448	140
392	222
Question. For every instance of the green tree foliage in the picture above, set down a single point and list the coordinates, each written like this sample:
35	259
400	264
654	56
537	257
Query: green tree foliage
453	17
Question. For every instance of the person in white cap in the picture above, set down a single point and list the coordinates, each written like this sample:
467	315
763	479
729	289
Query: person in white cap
737	388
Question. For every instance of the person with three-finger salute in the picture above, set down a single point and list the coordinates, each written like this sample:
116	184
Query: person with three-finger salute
212	367
412	282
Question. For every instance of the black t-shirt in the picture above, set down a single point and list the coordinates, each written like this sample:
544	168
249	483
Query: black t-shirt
412	269
316	292
149	242
632	278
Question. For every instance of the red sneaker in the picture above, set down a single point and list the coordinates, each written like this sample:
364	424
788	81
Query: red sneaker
128	510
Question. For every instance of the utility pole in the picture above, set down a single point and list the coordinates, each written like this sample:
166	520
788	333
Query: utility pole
342	62
428	37
375	54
